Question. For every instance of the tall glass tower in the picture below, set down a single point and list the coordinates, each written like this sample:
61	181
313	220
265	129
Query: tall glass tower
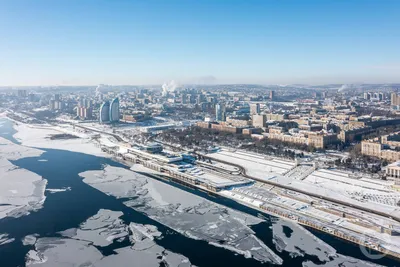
114	110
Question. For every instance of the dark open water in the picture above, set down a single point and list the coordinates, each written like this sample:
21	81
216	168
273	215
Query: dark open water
68	209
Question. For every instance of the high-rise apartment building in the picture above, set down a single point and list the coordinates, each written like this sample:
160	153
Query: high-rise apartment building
394	99
220	112
254	109
114	110
259	121
272	95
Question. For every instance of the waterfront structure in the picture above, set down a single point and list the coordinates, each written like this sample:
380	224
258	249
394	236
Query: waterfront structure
220	112
154	148
114	110
104	115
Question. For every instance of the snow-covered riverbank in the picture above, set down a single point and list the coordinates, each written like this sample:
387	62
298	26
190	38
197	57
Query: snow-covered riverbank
21	191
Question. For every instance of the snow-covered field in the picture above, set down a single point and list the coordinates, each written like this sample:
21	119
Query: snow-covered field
76	247
21	191
38	136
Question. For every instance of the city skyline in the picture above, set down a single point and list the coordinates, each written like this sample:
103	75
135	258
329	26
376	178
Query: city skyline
204	42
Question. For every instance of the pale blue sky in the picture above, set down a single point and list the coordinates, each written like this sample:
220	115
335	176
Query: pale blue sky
47	42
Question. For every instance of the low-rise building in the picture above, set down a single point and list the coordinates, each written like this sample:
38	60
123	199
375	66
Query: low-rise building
317	140
250	131
276	117
371	148
236	122
322	140
275	130
204	124
393	172
375	148
347	136
226	128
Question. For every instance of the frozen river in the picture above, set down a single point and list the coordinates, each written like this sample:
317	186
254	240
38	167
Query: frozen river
99	213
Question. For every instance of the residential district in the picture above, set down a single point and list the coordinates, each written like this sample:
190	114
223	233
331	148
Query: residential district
326	157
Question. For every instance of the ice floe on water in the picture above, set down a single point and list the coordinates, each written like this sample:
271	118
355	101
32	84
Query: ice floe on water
29	240
4	239
342	261
77	246
186	213
140	232
13	151
52	191
298	241
21	191
102	229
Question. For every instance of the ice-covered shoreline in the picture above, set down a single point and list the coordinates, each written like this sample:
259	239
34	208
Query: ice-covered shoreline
21	191
155	201
186	213
38	136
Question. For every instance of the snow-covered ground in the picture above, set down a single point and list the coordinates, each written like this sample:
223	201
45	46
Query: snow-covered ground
38	136
255	164
378	195
21	191
184	212
77	246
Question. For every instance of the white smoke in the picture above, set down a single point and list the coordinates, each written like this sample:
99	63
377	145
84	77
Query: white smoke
344	87
169	87
101	87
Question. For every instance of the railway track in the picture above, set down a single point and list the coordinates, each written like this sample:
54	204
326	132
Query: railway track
332	200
